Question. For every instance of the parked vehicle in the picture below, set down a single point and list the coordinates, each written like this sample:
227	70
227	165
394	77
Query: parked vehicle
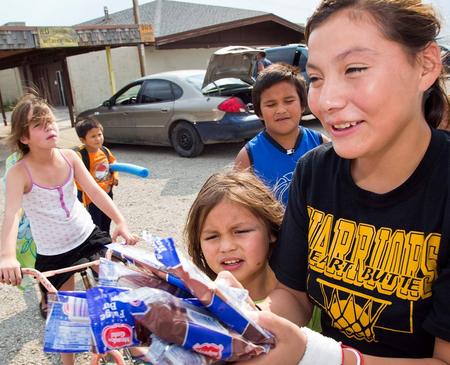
239	62
445	56
171	109
231	63
293	54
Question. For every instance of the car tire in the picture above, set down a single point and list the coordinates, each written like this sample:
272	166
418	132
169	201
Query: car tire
185	140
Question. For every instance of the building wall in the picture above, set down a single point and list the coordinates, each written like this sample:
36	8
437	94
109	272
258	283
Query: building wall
10	85
160	60
89	72
89	75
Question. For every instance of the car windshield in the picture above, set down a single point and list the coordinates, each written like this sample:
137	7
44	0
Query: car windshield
225	84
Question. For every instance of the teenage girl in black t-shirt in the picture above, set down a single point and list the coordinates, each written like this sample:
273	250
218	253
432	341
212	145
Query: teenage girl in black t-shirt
366	231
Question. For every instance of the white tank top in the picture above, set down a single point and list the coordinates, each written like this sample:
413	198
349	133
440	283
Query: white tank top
58	221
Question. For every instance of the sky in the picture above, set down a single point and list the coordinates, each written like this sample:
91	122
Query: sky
70	12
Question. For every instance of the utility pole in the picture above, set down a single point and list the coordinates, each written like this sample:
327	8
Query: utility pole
3	110
140	47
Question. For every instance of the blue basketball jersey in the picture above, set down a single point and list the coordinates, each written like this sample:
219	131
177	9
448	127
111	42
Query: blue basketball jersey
275	165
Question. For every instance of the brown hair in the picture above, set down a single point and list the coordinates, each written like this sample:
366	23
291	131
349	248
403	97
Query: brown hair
241	187
410	23
85	125
20	119
274	74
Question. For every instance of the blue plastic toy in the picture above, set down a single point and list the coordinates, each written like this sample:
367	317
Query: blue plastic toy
129	169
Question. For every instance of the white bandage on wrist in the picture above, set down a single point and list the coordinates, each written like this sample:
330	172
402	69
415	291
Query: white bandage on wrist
320	350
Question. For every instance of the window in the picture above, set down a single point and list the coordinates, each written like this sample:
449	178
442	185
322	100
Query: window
128	96
177	91
155	91
196	80
226	84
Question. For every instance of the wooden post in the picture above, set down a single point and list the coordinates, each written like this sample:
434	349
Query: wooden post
68	89
3	109
140	47
112	80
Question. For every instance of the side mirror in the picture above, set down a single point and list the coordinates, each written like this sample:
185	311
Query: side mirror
107	103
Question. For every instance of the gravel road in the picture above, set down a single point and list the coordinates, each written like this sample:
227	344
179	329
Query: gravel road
158	204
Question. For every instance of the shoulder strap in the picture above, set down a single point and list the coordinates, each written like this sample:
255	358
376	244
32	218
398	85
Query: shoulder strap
106	152
84	155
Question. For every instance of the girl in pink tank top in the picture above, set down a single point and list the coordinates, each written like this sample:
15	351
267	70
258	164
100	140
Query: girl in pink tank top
42	183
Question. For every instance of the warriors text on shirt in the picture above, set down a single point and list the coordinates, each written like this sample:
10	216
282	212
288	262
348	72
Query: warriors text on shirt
393	263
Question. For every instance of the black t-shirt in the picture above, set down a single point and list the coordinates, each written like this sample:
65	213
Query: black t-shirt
376	264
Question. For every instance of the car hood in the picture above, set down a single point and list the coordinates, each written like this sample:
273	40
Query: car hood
235	61
88	113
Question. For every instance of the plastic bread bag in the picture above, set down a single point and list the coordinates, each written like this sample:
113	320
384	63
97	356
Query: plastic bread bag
67	328
228	304
116	274
145	261
163	353
175	321
112	323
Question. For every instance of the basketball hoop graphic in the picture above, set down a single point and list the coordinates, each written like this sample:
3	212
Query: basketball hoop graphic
282	185
353	313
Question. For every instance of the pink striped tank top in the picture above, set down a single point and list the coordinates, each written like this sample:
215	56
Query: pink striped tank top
58	221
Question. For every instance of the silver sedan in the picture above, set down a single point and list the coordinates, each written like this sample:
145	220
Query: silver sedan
172	109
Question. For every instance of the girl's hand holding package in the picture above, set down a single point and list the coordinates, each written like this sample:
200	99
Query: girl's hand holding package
122	230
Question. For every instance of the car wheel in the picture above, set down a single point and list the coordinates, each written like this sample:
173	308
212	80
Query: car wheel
185	140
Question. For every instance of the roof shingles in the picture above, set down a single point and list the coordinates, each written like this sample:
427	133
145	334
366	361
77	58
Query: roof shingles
176	16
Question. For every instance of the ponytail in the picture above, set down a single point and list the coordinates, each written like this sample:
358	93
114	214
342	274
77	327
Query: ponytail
436	106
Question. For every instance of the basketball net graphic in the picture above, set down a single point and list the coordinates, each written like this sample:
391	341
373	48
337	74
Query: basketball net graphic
282	185
355	314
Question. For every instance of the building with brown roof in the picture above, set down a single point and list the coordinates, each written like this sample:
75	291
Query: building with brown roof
185	36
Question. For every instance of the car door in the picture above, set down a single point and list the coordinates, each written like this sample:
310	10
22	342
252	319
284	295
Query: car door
153	112
117	119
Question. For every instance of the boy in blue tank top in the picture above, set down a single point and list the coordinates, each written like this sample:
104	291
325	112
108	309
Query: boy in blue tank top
279	99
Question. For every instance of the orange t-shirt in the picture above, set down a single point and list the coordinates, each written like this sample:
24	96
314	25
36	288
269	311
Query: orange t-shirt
99	169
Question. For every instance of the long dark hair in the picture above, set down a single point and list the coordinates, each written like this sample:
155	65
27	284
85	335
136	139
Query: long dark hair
410	23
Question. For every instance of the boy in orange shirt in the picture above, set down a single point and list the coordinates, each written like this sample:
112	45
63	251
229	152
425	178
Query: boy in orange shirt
97	159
